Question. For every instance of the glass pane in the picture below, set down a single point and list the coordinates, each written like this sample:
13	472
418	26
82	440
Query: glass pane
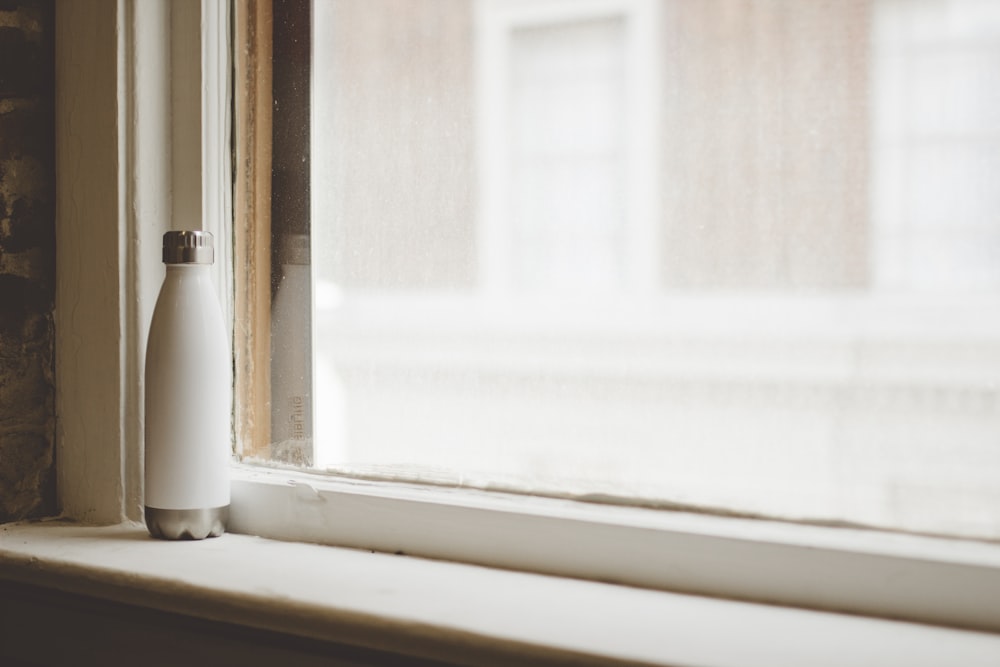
739	254
567	162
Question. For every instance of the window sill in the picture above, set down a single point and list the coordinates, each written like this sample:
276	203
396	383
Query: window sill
448	611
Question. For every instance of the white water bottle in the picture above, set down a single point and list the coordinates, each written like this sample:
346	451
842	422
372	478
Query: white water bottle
188	397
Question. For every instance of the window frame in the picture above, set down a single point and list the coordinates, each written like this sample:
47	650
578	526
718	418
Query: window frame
909	577
113	70
142	131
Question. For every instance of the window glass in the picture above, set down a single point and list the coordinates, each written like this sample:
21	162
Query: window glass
740	255
566	207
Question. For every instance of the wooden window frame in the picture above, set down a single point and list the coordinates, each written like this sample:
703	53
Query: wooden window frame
252	242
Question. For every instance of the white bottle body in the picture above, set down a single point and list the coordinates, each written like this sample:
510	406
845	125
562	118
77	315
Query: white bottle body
188	396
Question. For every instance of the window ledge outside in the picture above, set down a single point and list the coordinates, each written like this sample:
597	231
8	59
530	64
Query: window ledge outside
456	612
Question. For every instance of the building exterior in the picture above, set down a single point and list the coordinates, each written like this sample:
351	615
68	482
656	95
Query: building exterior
731	253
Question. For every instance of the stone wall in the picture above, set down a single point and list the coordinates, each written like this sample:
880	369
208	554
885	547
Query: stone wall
27	259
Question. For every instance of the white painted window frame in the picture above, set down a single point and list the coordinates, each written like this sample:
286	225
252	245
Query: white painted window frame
142	146
120	158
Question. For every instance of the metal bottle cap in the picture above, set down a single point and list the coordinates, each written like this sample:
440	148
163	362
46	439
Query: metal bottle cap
188	247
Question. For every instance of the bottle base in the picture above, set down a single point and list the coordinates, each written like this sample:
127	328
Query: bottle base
186	524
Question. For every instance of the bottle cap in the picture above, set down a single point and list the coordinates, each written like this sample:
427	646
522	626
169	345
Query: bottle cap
188	247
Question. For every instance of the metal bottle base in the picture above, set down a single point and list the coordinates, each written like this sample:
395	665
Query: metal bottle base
186	524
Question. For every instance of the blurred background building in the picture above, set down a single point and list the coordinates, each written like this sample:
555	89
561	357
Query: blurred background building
742	254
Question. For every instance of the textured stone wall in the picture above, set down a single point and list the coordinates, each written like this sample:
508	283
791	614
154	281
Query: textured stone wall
27	254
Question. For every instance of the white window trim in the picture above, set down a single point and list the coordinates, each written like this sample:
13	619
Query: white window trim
138	152
893	575
115	156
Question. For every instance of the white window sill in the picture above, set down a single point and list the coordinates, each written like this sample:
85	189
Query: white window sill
456	612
